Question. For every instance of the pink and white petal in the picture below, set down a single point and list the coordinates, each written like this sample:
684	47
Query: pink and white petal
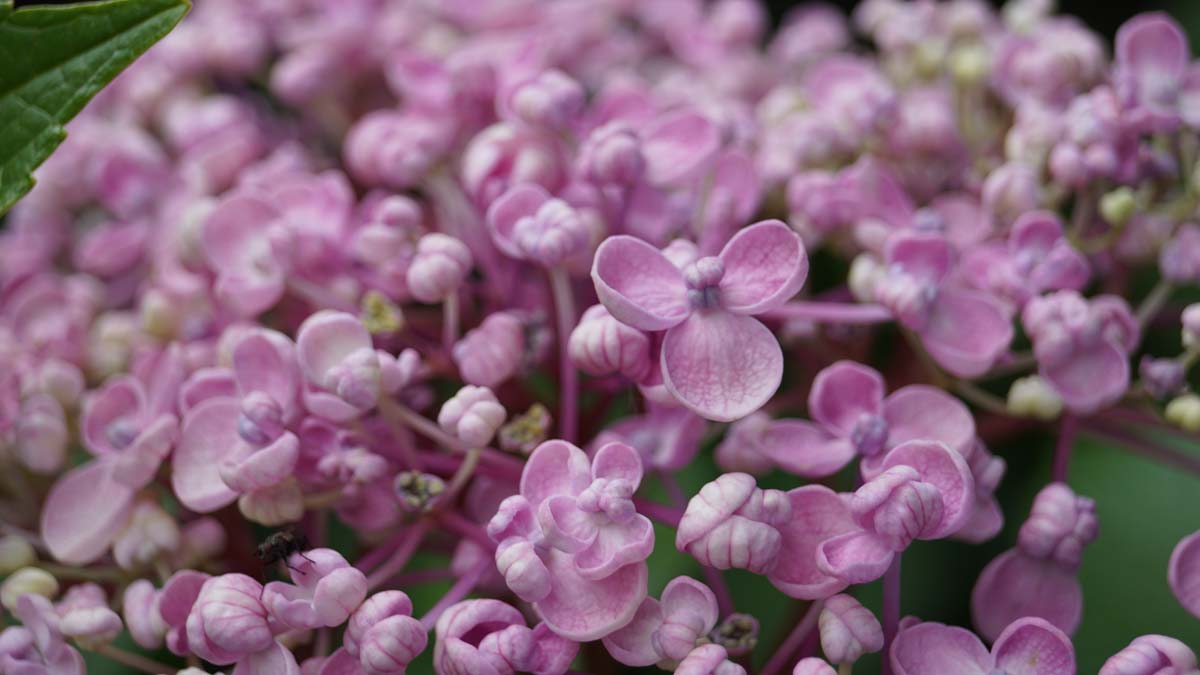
1015	585
209	434
1091	379
341	663
928	257
616	545
84	512
638	285
936	649
967	331
618	461
121	398
248	295
564	525
520	201
1033	646
1152	46
247	469
765	265
555	468
137	465
964	220
328	406
233	232
714	504
921	412
276	660
326	339
686	600
632	645
843	392
721	366
204	384
984	523
1183	573
946	470
584	610
855	557
265	361
806	450
676	145
818	514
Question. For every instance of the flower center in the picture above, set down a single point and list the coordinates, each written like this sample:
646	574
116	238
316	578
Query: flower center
703	279
611	496
121	433
907	297
869	435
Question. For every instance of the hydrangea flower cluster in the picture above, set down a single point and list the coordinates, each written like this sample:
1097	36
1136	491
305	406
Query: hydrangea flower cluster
445	305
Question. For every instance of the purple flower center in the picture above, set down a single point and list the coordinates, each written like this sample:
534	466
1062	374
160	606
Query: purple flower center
906	296
703	279
121	433
869	435
261	420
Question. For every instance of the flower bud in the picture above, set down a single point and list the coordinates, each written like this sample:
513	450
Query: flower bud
1191	326
1184	412
1152	655
142	616
898	506
160	315
228	620
600	345
1059	526
274	506
325	591
848	630
200	540
612	155
1033	397
1010	190
33	580
492	352
1118	205
151	533
42	435
552	100
383	635
472	416
708	659
1162	377
440	265
62	380
1179	259
15	553
866	273
417	491
85	615
813	666
395	149
733	523
738	634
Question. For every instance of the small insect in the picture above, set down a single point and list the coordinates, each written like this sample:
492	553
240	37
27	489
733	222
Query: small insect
281	545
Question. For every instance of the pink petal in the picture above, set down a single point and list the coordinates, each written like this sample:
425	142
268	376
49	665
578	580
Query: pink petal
923	412
325	339
1033	646
585	610
1152	45
276	660
518	202
1092	378
967	331
247	469
121	397
618	461
937	649
804	449
234	233
265	361
855	557
946	470
842	393
1015	585
204	384
564	525
677	144
247	295
984	523
1183	572
638	285
928	257
721	366
84	512
765	265
209	435
340	663
615	546
632	644
555	468
818	514
687	600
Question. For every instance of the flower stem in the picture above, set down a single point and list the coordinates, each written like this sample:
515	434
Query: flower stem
459	524
568	395
1062	450
461	589
450	321
461	476
1153	302
667	515
136	661
891	610
846	669
400	556
980	398
783	655
832	312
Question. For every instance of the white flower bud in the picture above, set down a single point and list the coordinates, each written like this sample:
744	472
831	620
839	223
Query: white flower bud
15	553
1033	397
865	274
27	580
1184	412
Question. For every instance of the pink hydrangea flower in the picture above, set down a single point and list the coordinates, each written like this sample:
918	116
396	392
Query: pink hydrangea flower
487	636
668	629
848	630
716	359
1026	647
37	646
382	634
472	415
492	352
1035	259
1152	655
324	592
228	621
734	523
573	540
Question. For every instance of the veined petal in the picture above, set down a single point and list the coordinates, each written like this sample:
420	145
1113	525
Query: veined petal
638	285
765	265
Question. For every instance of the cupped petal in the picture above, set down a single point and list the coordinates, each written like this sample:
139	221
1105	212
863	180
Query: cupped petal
618	461
842	393
122	400
1183	573
276	660
1033	646
946	470
677	144
564	525
927	257
326	339
1015	585
265	361
234	232
582	609
818	514
632	644
920	412
555	468
137	465
1091	378
204	384
765	265
84	512
638	285
936	649
1152	48
855	557
721	366
209	434
685	600
520	201
340	662
804	449
616	545
967	331
247	295
248	469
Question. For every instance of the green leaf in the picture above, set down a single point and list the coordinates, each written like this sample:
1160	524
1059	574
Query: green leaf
55	60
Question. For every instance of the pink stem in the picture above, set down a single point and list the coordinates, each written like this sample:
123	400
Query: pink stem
831	312
1062	451
400	556
891	610
783	656
568	395
667	515
450	321
461	589
1141	446
459	524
